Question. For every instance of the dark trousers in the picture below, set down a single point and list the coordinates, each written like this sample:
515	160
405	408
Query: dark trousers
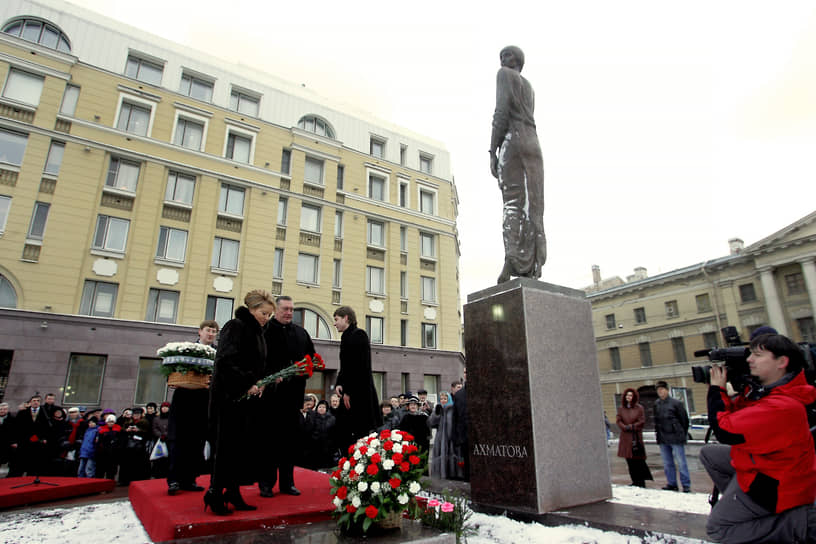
186	435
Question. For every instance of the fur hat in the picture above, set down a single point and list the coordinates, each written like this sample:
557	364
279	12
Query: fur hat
110	419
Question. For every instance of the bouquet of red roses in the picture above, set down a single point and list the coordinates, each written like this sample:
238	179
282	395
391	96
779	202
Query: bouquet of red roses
304	367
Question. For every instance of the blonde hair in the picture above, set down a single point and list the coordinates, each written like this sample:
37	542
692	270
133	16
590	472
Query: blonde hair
257	297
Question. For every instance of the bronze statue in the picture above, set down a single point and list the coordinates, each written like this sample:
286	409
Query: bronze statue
516	161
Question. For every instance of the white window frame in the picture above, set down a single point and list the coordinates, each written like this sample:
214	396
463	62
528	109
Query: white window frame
138	101
216	264
322	181
434	192
382	142
423	236
338	224
283	210
428	283
161	294
104	249
195	77
337	274
318	212
403	285
230	186
403	239
144	59
237	131
70	99
404	184
277	263
315	260
370	320
435	329
426	157
40	211
369	230
370	271
191	117
24	137
117	187
92	296
176	175
386	182
5	209
26	80
48	169
246	94
216	305
171	233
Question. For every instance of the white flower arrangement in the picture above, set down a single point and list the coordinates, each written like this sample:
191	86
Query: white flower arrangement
189	349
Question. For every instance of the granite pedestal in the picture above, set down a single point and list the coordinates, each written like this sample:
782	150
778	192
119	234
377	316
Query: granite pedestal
537	439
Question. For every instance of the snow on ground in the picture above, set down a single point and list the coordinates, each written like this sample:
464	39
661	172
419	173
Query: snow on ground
115	522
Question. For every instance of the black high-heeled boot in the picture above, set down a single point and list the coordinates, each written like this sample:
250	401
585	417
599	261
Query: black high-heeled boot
233	496
215	500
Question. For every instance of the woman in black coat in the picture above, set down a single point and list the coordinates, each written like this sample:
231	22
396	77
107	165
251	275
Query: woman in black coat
239	364
359	408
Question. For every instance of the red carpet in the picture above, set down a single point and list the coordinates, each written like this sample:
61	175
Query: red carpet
182	515
65	488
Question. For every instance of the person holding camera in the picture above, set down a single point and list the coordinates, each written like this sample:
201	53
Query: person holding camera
765	464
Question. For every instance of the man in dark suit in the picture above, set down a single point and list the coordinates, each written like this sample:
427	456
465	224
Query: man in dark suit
6	433
278	416
460	428
32	434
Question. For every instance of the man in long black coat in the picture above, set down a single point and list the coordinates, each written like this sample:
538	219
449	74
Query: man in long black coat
32	431
279	414
359	412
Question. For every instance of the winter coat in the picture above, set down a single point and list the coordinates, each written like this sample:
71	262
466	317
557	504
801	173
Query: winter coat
630	420
159	426
771	445
109	440
322	440
671	421
416	423
442	460
357	382
88	448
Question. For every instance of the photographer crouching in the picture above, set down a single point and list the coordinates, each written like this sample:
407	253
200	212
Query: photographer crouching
765	466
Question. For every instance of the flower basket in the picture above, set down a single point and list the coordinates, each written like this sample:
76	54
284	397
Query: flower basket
391	520
188	380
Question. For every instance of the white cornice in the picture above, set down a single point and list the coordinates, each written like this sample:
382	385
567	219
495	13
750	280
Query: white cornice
315	153
29	66
38	49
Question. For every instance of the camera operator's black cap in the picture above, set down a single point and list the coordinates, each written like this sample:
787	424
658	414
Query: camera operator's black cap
764	329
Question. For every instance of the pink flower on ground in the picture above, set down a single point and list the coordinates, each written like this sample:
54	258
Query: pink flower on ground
447	507
433	503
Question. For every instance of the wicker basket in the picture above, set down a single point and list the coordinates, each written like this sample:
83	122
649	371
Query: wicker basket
392	520
189	380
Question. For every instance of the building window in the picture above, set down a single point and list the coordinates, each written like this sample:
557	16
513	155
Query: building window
679	348
403	154
12	147
403	332
427	245
645	354
341	170
134	118
377	147
431	383
671	308
151	385
39	31
225	254
54	159
36	229
374	328
427	201
244	103
610	321
428	289
314	324
8	296
710	340
111	233
747	293
123	174
189	133
144	70
375	280
231	200
376	233
337	274
277	264
23	87
403	239
614	355
806	329
196	87
428	335
84	380
338	224
703	303
313	171
795	283
5	206
162	306
425	163
180	188
219	309
313	123
286	161
403	284
403	194
98	298
640	315
172	244
70	98
376	187
239	146
283	207
308	268
310	218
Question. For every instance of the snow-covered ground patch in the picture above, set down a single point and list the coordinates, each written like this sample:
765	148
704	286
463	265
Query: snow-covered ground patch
692	503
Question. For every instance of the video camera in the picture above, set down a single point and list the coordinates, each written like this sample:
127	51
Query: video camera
734	359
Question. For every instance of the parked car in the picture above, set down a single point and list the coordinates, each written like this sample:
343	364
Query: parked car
698	427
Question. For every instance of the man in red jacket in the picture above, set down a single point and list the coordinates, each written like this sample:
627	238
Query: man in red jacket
765	466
